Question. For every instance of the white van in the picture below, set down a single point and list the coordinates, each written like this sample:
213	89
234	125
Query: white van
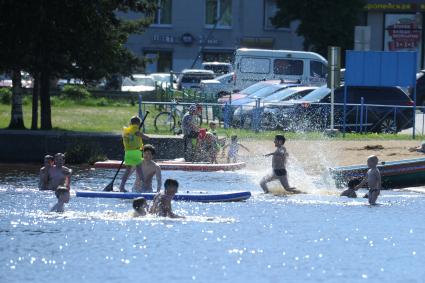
219	68
254	65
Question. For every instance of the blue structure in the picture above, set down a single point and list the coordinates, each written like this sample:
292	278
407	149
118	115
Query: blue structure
380	68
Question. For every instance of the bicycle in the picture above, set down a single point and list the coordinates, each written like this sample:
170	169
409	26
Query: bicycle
165	121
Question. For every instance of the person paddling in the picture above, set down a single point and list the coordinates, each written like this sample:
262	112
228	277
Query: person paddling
133	144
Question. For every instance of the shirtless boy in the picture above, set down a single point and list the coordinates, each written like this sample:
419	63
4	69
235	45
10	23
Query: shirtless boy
161	204
149	169
373	179
278	165
63	196
59	175
44	172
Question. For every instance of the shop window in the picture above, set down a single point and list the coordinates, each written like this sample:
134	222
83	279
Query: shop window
218	13
163	13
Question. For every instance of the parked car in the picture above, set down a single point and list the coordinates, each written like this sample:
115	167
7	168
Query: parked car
218	87
286	94
238	106
163	80
313	111
71	81
420	89
26	80
138	83
191	78
247	91
219	68
253	65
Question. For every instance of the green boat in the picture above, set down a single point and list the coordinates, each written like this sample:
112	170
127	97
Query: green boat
394	174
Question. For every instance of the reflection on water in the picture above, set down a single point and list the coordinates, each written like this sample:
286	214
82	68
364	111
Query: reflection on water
314	237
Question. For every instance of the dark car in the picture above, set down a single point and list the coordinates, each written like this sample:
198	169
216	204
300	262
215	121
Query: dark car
420	89
371	117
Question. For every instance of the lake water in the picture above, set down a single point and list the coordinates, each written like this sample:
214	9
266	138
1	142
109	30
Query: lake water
315	237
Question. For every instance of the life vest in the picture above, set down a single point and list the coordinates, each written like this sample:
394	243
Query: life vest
130	140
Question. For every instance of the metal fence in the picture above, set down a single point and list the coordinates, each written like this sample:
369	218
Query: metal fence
257	116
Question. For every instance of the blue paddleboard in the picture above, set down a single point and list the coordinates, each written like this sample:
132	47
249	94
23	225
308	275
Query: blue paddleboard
196	197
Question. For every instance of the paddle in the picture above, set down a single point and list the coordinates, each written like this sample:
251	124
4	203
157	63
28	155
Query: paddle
110	186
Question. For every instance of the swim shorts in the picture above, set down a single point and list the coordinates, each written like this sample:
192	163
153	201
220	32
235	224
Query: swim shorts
133	157
279	172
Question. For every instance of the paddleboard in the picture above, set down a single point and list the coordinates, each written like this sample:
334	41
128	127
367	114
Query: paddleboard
179	165
195	197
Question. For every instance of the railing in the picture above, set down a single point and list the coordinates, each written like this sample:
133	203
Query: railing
257	116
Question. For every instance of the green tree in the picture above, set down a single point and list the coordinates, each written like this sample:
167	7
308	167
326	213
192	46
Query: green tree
323	23
85	39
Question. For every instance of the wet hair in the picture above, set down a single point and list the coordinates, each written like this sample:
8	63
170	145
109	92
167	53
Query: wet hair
61	191
135	120
49	157
352	183
139	202
170	182
280	138
59	155
149	147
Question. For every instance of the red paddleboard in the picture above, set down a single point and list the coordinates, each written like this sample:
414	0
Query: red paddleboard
179	165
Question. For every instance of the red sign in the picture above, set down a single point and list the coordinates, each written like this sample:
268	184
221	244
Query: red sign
404	36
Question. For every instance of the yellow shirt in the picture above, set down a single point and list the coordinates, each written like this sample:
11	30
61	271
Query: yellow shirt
130	139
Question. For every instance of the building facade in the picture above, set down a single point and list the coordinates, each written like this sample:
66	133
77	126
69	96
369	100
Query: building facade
397	25
186	33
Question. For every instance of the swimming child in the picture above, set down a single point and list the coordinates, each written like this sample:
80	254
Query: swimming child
139	205
280	156
149	169
232	153
44	172
58	174
132	140
351	192
161	204
373	179
63	196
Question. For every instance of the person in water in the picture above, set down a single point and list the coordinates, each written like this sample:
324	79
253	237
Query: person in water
63	197
133	144
233	152
373	179
44	172
139	205
280	156
161	204
149	169
58	174
351	191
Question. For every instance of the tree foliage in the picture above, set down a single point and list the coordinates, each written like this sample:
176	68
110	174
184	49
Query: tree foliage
323	23
78	38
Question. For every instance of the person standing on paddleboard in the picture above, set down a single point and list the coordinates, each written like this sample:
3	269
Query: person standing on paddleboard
280	156
133	144
190	131
149	169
